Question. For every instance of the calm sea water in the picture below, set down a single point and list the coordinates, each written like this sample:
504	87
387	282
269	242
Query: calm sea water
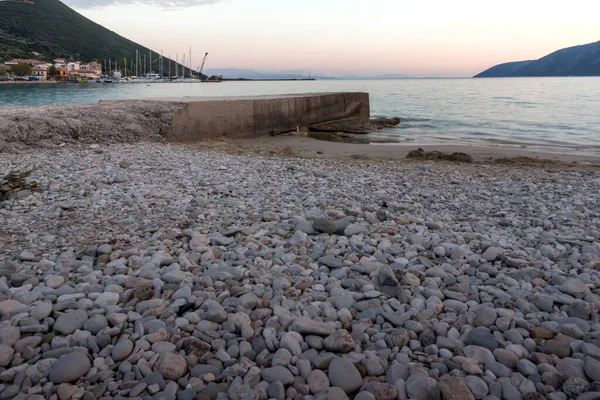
561	114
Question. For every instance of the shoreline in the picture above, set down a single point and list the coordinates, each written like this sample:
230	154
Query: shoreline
27	82
301	146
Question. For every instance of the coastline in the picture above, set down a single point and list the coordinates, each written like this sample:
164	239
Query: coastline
293	145
28	82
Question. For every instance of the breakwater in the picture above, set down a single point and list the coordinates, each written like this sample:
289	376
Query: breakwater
175	119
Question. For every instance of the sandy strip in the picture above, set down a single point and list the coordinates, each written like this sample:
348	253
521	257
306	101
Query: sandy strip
307	147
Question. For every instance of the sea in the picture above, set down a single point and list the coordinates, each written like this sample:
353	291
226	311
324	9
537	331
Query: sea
550	114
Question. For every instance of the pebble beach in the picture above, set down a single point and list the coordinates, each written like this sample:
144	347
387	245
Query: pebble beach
158	271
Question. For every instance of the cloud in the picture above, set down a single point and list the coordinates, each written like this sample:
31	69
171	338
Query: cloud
167	5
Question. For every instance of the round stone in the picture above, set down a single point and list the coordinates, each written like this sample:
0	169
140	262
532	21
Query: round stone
69	368
317	381
343	374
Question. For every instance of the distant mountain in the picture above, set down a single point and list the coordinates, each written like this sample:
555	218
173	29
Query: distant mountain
53	29
581	60
244	73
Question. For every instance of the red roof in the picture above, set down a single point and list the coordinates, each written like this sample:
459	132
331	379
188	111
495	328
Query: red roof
28	61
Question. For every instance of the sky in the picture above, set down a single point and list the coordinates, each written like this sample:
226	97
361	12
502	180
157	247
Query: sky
419	38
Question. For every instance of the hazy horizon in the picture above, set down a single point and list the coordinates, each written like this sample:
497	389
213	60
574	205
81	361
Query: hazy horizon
335	38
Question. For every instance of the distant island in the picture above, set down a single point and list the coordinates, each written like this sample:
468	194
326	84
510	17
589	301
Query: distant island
581	60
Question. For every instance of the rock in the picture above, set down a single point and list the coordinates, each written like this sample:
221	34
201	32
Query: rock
317	381
9	335
331	261
509	392
453	388
492	253
592	368
354	229
339	341
171	366
278	373
343	374
291	341
107	299
70	321
574	287
482	337
574	386
420	387
332	393
307	326
395	372
325	225
560	346
69	368
195	346
381	391
122	350
485	316
8	306
6	354
95	324
477	386
41	311
358	126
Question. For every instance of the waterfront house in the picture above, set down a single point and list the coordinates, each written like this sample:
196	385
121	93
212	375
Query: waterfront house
60	62
41	73
92	67
32	62
73	65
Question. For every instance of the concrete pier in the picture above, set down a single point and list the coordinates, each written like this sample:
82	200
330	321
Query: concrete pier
175	119
244	117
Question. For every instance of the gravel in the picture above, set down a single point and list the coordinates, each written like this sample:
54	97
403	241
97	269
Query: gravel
158	271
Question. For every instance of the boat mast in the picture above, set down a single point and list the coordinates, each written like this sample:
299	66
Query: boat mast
190	61
150	61
177	65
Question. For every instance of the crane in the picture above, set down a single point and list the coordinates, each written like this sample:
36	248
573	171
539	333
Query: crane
202	66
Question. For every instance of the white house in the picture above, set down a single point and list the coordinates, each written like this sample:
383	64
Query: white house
34	63
74	65
41	73
60	63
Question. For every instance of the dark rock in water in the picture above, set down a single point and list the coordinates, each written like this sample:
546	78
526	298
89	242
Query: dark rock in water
364	126
421	154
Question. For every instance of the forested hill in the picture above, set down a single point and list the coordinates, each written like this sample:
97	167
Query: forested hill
53	29
581	60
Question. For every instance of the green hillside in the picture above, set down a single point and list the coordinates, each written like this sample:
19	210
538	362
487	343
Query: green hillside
53	29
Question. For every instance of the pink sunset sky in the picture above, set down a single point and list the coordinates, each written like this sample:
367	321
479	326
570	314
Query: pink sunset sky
334	37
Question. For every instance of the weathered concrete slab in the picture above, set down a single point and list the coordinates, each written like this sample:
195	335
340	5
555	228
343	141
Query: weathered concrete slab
244	117
174	119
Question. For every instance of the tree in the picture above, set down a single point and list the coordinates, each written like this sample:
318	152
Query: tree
2	71
22	69
52	71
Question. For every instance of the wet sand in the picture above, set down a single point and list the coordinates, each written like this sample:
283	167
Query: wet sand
308	147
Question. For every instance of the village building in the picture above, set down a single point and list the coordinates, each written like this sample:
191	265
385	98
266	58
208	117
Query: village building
32	62
41	73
